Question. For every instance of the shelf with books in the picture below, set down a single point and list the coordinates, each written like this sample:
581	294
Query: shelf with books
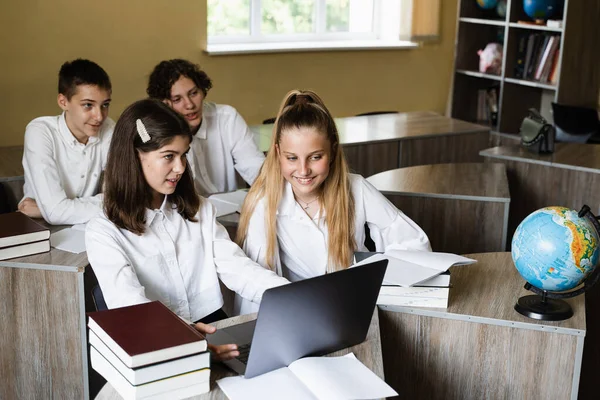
551	62
476	100
477	74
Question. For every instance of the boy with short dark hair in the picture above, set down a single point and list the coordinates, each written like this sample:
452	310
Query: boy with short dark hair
64	155
223	143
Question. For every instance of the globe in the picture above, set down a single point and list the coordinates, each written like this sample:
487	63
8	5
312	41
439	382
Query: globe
554	249
487	4
542	9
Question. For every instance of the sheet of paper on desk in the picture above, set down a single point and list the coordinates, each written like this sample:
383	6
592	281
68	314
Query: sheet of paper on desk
68	239
228	203
415	266
330	378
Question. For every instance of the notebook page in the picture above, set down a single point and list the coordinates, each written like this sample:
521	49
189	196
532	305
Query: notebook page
400	272
274	385
438	261
340	378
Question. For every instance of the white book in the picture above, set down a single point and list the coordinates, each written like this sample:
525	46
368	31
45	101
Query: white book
409	301
23	250
327	378
416	291
152	372
409	268
228	203
177	387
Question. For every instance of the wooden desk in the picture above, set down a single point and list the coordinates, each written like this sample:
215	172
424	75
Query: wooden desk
378	143
569	177
11	173
368	352
42	320
480	348
463	208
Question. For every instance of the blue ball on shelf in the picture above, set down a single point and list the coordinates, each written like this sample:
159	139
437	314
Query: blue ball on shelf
542	9
487	4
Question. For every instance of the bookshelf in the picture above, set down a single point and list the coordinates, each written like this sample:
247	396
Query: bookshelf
577	80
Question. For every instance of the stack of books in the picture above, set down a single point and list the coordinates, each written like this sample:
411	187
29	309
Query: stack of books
147	351
413	278
537	57
21	236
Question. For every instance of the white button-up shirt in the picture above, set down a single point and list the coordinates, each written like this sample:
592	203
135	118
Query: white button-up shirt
61	174
222	145
302	242
175	261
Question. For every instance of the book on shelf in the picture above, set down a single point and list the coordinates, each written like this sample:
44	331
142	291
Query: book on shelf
408	268
145	334
152	372
521	56
311	378
22	236
541	51
176	387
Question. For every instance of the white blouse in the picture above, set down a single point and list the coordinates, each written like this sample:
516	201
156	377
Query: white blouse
302	242
175	261
222	145
61	174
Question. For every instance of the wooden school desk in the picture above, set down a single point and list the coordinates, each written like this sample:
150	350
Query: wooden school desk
368	352
480	347
462	207
378	143
569	177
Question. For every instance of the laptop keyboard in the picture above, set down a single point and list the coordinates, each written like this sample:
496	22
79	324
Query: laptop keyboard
244	350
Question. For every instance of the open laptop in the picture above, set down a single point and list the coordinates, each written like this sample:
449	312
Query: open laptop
310	317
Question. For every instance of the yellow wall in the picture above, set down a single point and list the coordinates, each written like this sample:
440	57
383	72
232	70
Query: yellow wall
127	38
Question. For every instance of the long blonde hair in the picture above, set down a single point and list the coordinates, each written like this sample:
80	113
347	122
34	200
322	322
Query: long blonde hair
305	109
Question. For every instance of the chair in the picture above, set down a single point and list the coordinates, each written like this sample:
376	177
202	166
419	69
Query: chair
376	113
575	124
4	204
98	298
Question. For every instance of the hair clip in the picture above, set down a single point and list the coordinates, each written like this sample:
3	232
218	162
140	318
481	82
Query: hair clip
141	129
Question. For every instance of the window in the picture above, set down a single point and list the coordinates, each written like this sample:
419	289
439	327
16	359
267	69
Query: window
271	25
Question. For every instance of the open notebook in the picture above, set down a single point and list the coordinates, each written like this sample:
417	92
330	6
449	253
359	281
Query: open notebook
327	378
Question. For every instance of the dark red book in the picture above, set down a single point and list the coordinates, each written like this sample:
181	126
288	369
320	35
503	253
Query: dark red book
146	334
17	228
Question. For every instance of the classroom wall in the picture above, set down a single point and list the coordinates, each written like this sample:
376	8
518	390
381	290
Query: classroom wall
128	38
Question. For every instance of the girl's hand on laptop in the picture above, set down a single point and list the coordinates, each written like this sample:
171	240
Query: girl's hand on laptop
219	353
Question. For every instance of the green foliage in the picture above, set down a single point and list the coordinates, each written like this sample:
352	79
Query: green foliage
232	17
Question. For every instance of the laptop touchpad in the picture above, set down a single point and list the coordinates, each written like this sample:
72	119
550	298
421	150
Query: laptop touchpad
238	334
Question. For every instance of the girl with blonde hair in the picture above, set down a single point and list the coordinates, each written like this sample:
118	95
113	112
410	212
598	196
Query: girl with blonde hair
305	214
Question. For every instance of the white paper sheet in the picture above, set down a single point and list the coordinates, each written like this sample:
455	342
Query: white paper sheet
430	259
228	203
68	239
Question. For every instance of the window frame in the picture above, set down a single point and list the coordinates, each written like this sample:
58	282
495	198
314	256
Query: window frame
387	32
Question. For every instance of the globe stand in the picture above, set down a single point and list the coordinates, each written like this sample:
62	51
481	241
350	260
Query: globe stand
543	308
548	306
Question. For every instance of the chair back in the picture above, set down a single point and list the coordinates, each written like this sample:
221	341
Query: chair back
575	124
98	298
